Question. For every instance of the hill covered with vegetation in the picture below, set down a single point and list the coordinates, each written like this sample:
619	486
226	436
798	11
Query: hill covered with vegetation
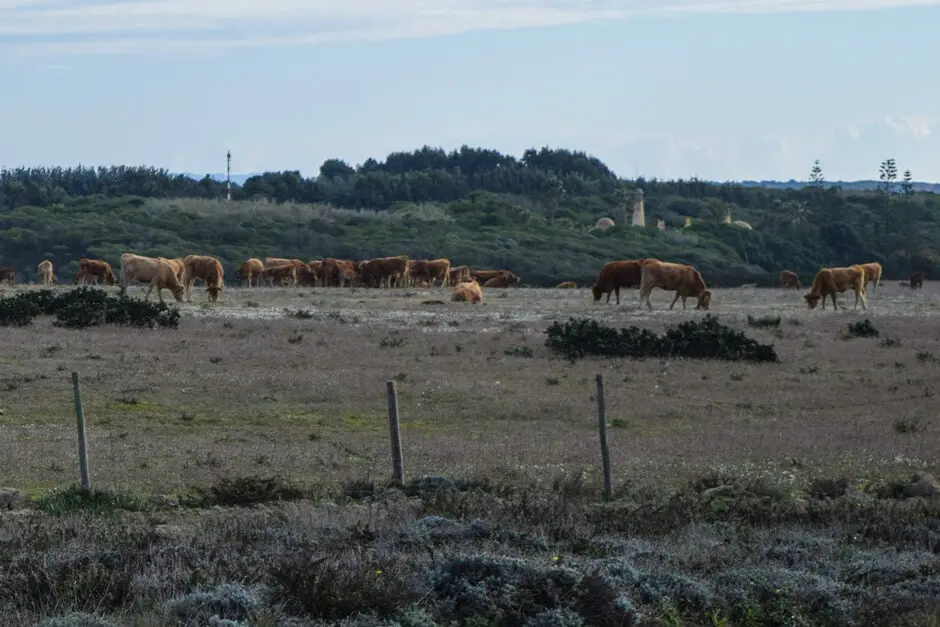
533	215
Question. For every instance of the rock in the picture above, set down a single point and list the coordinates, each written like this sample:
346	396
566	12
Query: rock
923	486
11	498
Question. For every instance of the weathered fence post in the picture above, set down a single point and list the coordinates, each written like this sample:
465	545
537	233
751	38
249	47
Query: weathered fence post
82	442
602	428
394	432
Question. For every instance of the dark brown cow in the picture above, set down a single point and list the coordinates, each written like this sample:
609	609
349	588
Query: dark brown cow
789	279
386	271
285	273
615	275
8	275
917	280
430	270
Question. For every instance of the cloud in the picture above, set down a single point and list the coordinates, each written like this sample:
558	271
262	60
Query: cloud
44	27
853	131
919	126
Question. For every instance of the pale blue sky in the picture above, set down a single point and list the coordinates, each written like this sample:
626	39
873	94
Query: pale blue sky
719	89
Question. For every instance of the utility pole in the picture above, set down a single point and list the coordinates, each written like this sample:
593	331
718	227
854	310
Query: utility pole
228	175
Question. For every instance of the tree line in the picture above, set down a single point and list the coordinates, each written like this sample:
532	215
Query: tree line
483	204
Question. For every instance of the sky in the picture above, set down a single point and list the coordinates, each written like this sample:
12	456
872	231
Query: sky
714	89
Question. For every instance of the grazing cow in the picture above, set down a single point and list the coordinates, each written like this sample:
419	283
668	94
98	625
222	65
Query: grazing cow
789	279
204	267
467	292
503	280
917	280
617	274
430	270
386	271
459	274
872	274
832	281
316	266
8	275
338	272
566	285
95	269
306	277
46	274
270	262
684	279
249	270
284	273
178	265
159	274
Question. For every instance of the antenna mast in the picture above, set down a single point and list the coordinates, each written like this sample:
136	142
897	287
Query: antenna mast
228	175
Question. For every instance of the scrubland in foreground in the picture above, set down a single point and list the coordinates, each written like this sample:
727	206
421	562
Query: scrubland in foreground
771	494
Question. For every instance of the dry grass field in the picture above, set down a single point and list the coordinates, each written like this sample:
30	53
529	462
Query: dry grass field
248	385
773	494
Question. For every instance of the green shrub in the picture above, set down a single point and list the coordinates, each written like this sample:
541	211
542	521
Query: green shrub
861	329
704	339
85	307
763	322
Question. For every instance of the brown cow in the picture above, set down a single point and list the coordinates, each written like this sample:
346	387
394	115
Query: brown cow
467	292
178	265
249	270
386	271
789	279
566	285
917	280
503	280
872	274
204	267
8	275
684	279
46	274
283	273
459	274
832	281
482	276
338	272
159	274
430	270
95	269
270	262
617	274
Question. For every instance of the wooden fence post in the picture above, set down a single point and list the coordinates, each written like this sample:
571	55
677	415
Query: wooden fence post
602	428
394	432
82	441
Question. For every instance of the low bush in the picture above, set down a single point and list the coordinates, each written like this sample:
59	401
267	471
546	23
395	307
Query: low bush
698	339
85	307
861	329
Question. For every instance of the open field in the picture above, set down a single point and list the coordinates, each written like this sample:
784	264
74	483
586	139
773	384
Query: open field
768	494
245	385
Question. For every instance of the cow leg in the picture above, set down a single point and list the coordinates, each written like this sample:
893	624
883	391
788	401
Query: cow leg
675	300
150	289
617	292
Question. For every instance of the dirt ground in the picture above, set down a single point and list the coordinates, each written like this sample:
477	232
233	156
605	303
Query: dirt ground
249	385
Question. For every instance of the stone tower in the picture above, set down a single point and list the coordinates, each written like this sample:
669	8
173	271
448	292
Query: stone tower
639	209
661	225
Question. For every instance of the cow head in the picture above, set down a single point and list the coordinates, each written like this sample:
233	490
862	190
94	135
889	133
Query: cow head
110	279
597	292
812	300
177	292
704	300
213	292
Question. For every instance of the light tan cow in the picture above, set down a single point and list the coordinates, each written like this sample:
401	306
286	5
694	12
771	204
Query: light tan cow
872	274
685	280
467	292
95	269
178	265
249	270
566	285
158	274
204	267
46	274
832	281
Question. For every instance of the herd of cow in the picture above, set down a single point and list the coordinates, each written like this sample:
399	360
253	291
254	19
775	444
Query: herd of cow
179	276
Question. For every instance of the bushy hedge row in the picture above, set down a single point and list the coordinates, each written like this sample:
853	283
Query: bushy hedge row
85	307
699	339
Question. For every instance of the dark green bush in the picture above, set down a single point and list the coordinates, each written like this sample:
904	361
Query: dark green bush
861	329
763	322
699	339
85	307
